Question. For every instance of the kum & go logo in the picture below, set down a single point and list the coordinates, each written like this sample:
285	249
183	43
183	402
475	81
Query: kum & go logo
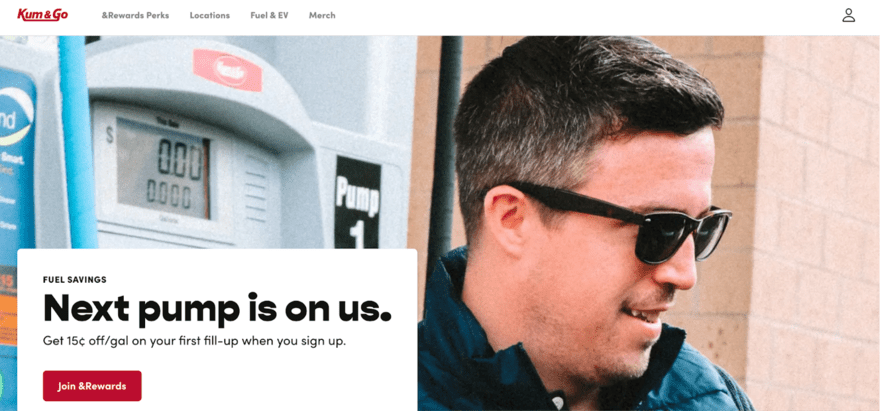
53	15
228	70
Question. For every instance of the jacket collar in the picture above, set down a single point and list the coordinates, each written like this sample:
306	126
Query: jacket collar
508	377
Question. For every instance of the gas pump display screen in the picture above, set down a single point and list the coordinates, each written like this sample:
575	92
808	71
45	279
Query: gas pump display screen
162	170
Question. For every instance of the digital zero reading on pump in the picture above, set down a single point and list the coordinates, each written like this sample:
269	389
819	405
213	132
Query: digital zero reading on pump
163	170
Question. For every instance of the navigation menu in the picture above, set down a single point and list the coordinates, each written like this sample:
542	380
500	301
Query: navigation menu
255	17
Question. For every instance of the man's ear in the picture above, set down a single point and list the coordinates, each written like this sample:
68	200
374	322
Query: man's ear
508	218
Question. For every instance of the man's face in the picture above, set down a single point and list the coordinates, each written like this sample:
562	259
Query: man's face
586	279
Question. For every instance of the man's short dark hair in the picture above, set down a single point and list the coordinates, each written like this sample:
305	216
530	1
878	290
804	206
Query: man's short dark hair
538	112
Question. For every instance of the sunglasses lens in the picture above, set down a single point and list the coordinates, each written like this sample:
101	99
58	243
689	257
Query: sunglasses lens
708	235
660	237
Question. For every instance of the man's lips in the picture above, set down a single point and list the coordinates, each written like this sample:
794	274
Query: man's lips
646	314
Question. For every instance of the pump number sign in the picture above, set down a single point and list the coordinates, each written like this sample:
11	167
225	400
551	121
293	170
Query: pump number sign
356	203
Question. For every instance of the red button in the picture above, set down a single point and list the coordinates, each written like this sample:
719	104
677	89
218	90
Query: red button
91	385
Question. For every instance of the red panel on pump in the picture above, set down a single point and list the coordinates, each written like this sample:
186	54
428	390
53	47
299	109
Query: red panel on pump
228	70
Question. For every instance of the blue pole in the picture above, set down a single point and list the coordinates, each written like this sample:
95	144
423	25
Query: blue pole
77	142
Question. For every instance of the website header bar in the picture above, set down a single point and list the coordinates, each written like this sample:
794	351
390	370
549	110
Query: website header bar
449	17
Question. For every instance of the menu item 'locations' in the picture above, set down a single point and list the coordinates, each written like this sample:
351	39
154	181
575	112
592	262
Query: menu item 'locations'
209	16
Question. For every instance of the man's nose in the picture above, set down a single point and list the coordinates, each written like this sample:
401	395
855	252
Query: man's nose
681	270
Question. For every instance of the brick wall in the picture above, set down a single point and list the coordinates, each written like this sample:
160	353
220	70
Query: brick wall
813	326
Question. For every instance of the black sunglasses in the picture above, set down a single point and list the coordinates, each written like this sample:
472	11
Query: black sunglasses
661	234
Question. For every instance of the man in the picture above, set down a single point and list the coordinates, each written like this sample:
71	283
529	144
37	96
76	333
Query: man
584	168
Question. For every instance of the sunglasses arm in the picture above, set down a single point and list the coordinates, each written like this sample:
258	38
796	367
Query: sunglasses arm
570	201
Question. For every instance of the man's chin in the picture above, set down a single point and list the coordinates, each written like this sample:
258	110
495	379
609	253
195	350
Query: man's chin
629	367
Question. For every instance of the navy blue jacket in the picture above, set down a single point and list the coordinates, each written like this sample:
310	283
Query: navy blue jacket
459	370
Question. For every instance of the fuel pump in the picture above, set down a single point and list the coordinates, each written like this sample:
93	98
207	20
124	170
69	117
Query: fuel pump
252	142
